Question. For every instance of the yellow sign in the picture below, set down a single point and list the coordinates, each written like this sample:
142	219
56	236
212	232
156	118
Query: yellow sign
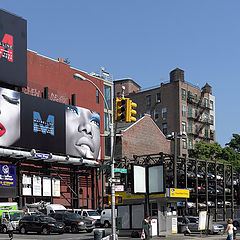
179	193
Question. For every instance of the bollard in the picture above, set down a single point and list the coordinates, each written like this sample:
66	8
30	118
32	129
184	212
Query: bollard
99	233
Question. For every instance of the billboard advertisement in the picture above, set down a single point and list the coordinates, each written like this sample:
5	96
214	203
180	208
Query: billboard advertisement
35	123
13	49
7	175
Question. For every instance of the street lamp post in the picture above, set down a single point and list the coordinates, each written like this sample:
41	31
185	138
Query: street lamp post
82	78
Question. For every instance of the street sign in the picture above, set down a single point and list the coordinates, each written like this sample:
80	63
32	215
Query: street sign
102	167
120	170
119	188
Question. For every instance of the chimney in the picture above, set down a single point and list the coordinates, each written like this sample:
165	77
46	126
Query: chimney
177	75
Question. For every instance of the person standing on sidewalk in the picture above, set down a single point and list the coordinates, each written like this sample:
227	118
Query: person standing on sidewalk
229	229
146	227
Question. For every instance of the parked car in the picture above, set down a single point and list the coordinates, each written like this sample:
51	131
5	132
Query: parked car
191	174
202	205
193	225
40	224
201	175
219	177
191	204
201	189
211	190
74	222
88	213
211	176
211	204
236	222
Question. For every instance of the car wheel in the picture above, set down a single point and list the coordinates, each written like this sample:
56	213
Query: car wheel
4	229
45	231
106	224
23	230
74	229
89	230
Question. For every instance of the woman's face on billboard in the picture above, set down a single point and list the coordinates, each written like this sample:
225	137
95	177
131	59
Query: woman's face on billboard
82	132
9	117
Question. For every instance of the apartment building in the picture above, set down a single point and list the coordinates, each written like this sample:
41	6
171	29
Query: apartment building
177	107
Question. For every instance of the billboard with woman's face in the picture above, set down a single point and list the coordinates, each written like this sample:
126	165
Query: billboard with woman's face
35	123
82	132
9	117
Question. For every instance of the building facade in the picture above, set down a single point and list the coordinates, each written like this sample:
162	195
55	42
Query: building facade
177	107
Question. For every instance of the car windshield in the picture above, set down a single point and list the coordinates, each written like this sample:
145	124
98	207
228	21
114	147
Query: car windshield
47	219
93	213
16	216
74	216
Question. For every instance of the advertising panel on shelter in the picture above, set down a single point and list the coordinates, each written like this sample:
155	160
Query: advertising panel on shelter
49	127
13	49
7	180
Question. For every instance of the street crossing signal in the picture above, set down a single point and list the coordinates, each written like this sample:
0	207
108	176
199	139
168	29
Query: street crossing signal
130	112
120	110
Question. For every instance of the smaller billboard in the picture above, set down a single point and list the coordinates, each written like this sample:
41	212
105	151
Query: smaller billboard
56	187
139	179
7	176
37	185
13	49
47	189
155	179
177	193
27	185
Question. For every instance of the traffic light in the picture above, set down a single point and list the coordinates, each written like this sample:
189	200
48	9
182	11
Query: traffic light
120	110
108	199
130	112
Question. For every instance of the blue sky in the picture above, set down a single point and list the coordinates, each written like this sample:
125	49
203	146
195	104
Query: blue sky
145	40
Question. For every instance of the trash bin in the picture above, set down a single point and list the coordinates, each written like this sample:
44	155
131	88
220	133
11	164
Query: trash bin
99	233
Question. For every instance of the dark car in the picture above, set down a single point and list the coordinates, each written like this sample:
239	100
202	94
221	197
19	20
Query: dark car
40	224
74	222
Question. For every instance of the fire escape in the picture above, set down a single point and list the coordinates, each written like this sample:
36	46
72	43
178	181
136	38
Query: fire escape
200	118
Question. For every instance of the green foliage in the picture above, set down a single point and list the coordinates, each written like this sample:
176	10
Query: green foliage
235	143
214	152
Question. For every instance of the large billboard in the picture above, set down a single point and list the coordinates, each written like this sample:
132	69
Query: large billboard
35	123
13	49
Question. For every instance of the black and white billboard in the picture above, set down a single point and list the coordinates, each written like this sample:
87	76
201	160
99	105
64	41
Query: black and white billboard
13	49
35	123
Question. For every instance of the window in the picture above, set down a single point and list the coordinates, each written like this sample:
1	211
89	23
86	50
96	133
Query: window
189	112
184	109
205	102
156	114
164	128
158	97
148	100
211	104
211	119
97	96
190	143
107	146
190	130
183	94
108	96
106	122
184	143
205	117
164	113
183	126
206	132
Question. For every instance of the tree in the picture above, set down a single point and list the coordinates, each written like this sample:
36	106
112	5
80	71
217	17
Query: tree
235	143
207	151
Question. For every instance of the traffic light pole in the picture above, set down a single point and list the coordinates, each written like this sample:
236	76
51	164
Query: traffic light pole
113	204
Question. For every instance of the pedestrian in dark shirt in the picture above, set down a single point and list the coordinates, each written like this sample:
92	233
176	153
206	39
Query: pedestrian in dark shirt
146	227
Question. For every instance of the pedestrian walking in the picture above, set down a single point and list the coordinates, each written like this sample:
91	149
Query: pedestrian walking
10	227
186	222
146	227
229	229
